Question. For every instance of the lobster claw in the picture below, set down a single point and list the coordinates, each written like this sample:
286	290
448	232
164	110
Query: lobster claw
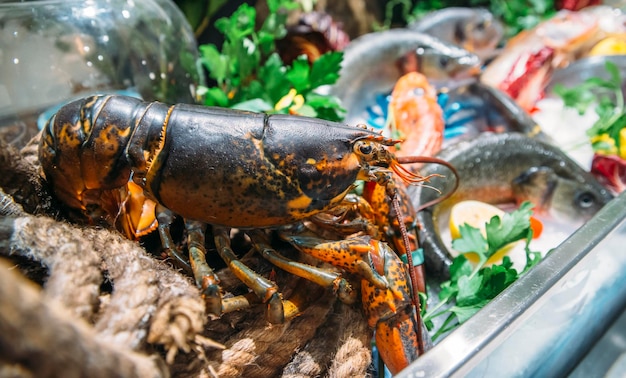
385	292
391	312
397	340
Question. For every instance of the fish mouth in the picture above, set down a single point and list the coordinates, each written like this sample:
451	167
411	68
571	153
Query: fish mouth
473	71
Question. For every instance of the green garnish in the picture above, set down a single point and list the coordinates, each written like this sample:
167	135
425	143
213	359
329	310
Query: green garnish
609	100
518	15
470	287
251	75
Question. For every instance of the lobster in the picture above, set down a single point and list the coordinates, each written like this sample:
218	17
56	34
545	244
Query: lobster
237	169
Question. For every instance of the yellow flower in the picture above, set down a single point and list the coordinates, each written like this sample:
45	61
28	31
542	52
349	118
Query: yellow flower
292	98
298	101
604	144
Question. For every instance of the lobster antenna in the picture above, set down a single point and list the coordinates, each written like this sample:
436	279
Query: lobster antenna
412	274
405	237
448	193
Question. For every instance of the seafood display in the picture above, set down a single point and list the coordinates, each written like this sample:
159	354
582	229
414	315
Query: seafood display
507	168
505	154
267	172
355	167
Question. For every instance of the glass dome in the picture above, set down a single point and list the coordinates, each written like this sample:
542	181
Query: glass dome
52	51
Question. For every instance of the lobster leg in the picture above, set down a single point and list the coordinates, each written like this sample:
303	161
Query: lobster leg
320	276
339	219
165	218
385	292
208	282
262	287
279	309
205	278
354	254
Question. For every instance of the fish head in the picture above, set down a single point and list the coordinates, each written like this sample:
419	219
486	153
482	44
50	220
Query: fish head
562	198
443	61
480	32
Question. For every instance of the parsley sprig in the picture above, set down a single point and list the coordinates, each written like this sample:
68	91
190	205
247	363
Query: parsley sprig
611	110
471	287
251	75
519	15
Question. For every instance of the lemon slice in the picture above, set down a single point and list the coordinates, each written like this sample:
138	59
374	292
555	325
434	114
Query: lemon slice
610	46
477	214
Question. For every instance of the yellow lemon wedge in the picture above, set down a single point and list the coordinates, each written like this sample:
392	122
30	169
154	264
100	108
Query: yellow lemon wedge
610	46
477	214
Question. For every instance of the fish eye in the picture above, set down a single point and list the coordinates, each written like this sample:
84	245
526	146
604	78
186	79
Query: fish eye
443	61
585	200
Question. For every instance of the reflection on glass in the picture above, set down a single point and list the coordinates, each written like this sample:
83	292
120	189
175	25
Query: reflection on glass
55	50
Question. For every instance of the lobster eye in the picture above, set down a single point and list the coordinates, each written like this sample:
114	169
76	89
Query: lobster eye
364	148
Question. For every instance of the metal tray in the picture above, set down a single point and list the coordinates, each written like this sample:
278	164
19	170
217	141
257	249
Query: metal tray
547	321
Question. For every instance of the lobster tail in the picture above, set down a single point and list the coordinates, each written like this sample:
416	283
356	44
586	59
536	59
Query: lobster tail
82	148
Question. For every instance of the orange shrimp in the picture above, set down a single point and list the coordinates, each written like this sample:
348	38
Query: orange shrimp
415	116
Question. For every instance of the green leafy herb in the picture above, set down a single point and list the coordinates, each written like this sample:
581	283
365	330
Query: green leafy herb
471	287
519	15
251	75
610	107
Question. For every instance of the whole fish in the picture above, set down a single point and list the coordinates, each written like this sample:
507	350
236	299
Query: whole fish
372	63
505	168
415	116
474	29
